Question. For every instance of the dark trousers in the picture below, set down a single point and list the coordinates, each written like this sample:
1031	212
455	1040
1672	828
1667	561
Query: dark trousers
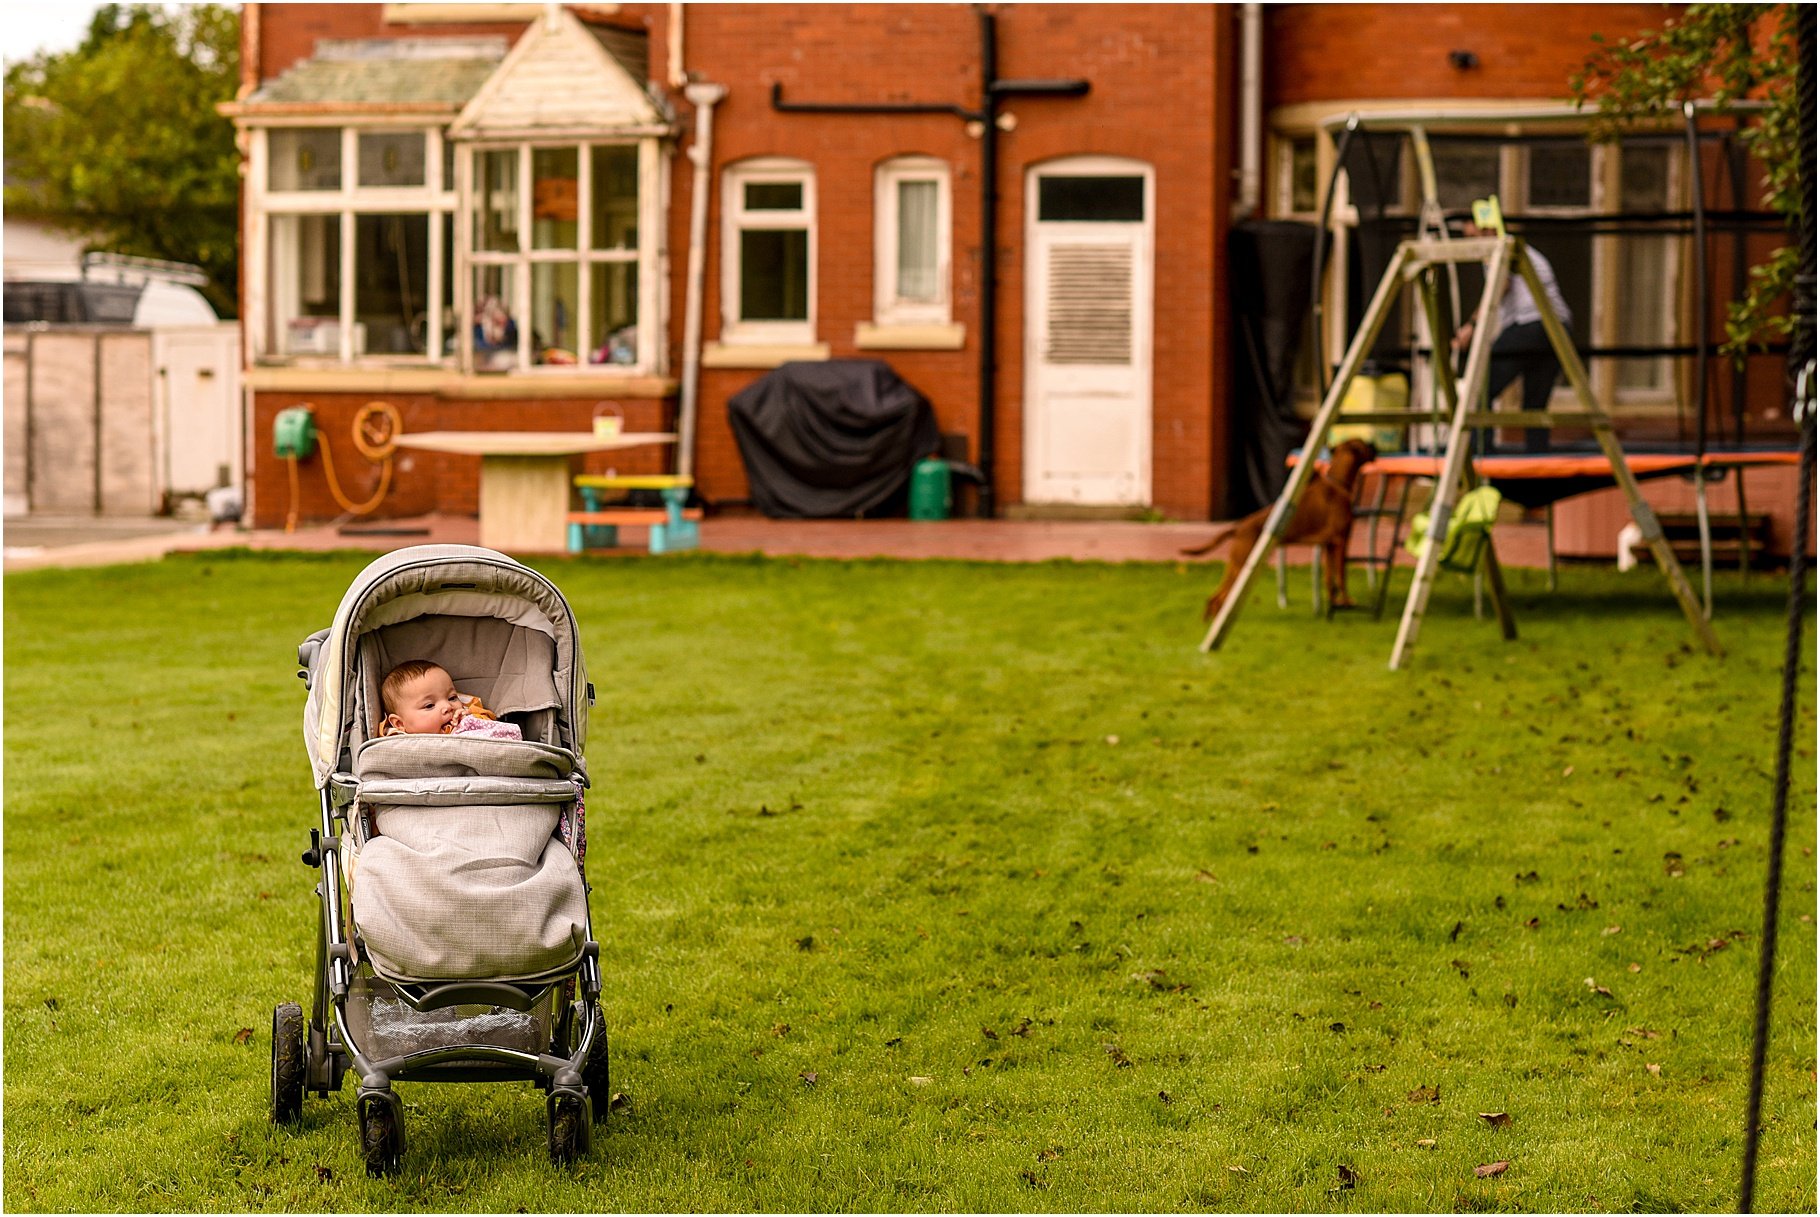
1524	350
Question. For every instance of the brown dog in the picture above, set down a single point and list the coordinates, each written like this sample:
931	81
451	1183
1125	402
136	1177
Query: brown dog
1323	516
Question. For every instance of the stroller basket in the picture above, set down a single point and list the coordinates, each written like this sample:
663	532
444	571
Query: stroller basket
381	1016
453	942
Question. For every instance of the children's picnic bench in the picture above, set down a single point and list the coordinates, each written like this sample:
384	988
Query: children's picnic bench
672	526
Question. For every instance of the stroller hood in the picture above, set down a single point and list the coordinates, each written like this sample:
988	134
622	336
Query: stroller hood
448	581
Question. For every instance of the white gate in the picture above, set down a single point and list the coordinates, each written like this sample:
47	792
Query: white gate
198	372
1090	239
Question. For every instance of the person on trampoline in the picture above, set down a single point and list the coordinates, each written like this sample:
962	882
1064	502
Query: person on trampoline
1522	347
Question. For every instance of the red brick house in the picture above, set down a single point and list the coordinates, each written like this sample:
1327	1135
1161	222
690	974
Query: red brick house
487	216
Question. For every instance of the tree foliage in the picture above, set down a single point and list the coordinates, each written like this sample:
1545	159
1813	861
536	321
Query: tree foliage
1727	53
119	139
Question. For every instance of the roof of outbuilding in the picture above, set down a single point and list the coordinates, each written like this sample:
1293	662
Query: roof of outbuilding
439	72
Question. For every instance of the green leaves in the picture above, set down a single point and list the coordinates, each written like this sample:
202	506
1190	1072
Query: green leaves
119	138
1729	53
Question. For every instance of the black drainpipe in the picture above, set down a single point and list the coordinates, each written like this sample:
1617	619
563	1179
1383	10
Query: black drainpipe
991	90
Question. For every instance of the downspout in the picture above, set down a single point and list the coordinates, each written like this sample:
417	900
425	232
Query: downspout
252	35
677	77
988	260
703	97
992	90
1251	110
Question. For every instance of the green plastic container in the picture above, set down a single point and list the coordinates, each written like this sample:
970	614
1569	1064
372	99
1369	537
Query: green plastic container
931	490
294	432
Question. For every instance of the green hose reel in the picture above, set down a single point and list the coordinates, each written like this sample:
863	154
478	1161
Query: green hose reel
294	432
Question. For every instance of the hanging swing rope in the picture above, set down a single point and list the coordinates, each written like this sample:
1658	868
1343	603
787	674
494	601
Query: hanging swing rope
1802	358
1778	824
377	426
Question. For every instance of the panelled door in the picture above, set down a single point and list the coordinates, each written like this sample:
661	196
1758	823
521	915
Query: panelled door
1088	343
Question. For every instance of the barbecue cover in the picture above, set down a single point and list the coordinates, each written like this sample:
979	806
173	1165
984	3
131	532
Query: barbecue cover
828	439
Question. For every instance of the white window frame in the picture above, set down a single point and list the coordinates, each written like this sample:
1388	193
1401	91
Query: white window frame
583	257
435	200
1286	146
735	220
889	307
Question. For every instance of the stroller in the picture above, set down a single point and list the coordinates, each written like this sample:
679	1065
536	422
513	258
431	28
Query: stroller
453	942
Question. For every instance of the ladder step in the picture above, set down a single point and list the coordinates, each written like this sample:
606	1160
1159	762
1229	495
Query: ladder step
1463	249
1718	521
1538	418
1724	554
1347	418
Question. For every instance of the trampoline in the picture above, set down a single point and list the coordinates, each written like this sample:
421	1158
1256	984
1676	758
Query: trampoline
1538	479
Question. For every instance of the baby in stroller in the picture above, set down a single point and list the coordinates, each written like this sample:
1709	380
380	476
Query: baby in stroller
459	948
420	699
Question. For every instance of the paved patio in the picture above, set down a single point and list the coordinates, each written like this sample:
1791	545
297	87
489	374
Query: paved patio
37	541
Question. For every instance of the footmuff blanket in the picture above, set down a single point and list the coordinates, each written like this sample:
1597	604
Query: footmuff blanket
459	874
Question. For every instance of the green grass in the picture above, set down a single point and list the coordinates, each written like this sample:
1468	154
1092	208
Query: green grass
1060	913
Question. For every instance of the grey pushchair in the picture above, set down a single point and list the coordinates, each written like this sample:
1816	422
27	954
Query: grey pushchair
453	942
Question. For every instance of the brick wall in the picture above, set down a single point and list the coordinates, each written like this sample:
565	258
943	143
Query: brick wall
425	482
1159	74
1154	97
1317	52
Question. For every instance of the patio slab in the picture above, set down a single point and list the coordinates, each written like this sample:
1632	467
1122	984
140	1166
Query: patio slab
32	542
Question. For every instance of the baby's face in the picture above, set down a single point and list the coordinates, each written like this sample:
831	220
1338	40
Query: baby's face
428	705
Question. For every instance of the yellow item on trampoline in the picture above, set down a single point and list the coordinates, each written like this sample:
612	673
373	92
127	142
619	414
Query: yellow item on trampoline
1370	391
1468	530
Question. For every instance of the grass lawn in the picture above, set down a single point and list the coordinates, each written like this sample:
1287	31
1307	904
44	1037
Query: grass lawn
949	886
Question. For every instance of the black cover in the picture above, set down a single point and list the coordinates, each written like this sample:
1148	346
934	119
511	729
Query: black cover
1272	264
1374	176
830	439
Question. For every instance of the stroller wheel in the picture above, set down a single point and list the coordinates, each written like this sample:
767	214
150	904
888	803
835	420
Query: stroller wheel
570	1135
594	1069
381	1133
594	1075
287	1063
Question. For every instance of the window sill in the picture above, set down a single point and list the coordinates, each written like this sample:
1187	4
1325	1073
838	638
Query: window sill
768	355
447	382
870	336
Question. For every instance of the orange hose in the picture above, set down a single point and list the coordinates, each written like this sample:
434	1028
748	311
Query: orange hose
376	427
290	520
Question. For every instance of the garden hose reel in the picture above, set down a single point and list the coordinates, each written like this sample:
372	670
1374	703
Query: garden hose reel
376	428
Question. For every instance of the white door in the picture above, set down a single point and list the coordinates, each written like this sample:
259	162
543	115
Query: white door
1087	348
198	372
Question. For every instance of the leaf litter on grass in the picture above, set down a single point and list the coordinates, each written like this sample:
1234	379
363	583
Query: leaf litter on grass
681	892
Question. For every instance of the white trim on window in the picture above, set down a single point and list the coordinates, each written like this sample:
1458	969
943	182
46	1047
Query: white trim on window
894	302
646	256
736	220
267	209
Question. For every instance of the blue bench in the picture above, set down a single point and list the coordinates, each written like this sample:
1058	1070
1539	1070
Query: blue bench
672	526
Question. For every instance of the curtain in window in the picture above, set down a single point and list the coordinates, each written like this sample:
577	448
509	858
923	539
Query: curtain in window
916	242
1646	289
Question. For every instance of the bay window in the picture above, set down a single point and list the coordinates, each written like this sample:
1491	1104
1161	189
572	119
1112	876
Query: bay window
554	256
356	224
